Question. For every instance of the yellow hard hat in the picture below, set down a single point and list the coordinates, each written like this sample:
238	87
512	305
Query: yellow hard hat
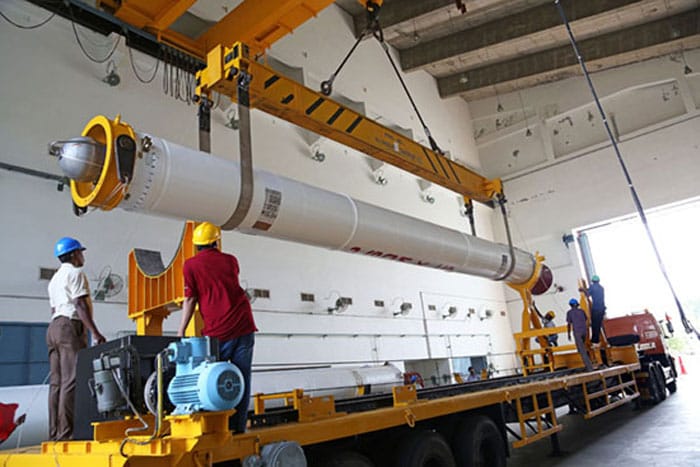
549	315
206	233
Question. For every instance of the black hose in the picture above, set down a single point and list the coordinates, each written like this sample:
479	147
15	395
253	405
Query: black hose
637	202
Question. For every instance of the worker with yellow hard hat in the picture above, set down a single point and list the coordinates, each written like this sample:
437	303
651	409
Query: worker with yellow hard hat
211	281
548	322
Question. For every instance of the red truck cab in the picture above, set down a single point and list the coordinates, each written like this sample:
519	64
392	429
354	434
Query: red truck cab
642	324
658	371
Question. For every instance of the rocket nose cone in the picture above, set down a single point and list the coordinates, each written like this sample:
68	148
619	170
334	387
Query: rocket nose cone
543	282
80	158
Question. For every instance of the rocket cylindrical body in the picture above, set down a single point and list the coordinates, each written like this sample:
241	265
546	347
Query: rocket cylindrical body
179	182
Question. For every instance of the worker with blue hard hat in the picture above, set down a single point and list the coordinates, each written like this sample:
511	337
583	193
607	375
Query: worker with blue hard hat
576	319
71	318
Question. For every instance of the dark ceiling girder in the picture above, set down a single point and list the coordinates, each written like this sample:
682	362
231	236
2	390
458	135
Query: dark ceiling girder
396	12
626	40
521	24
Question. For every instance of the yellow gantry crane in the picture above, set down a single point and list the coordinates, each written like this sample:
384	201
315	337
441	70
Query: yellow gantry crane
234	46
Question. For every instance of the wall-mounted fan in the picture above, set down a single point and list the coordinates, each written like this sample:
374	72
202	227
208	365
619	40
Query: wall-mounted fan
108	285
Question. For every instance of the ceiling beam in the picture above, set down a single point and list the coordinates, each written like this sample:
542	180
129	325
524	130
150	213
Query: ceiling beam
612	49
531	31
405	23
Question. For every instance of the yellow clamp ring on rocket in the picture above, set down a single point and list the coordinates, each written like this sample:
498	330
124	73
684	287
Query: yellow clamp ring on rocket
108	191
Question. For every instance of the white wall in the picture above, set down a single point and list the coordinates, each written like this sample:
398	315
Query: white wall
566	174
50	90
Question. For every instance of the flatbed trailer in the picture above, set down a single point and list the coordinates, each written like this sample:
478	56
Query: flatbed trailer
410	427
463	425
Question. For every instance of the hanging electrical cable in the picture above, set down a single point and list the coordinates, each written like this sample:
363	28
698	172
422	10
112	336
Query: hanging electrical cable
82	47
178	79
637	202
32	26
136	73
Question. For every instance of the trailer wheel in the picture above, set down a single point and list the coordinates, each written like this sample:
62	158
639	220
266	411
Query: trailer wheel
424	449
348	459
478	443
672	387
661	381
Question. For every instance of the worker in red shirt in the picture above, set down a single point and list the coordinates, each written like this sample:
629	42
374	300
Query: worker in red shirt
8	424
211	280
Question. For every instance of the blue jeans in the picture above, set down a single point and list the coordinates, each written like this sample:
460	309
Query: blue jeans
239	351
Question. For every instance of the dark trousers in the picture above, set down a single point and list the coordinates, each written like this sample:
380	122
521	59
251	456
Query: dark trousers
239	351
580	340
64	338
596	323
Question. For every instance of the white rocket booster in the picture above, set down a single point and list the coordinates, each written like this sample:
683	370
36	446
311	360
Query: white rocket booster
178	182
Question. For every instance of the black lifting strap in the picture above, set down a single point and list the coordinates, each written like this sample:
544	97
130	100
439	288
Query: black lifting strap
637	202
469	212
502	203
375	29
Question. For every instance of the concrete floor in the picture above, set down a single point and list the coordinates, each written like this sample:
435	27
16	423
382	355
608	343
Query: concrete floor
665	435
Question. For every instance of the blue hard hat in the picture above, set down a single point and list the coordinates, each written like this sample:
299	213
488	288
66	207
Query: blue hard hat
573	302
595	278
66	245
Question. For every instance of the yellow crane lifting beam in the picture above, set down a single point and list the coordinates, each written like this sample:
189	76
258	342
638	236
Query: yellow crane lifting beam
258	24
282	97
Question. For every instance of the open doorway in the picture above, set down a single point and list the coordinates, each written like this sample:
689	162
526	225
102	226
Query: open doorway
619	252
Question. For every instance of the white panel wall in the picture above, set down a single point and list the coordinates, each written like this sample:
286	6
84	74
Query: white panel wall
576	179
50	90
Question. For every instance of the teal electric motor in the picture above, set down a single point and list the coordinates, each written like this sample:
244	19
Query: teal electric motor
200	382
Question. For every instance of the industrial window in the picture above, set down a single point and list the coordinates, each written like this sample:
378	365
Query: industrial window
23	353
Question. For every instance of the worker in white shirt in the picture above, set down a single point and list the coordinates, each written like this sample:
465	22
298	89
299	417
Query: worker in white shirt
71	318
